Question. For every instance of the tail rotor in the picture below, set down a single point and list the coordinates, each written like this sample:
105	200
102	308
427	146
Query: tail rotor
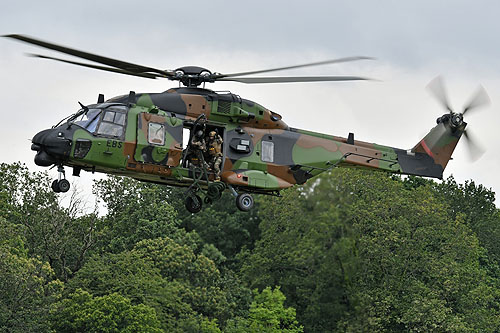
479	99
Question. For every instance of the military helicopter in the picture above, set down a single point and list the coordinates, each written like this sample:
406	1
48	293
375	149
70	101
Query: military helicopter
150	136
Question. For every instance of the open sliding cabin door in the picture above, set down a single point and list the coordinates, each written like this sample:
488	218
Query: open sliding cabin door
159	139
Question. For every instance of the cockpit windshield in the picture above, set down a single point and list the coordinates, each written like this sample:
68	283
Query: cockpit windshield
88	120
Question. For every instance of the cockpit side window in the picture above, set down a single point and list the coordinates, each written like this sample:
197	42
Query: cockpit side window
114	117
106	121
112	124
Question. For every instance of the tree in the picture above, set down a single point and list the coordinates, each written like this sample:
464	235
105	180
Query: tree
81	312
136	211
221	224
27	288
181	286
299	250
363	252
267	314
60	236
417	268
477	206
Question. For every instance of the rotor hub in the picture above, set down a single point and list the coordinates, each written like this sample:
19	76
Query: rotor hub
457	119
193	76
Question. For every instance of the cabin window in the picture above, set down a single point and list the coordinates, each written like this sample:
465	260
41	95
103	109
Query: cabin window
267	151
156	134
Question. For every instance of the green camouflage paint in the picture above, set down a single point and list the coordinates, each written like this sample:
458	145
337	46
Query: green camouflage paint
260	151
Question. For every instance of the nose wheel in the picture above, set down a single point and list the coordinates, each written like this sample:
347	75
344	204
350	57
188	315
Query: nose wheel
61	184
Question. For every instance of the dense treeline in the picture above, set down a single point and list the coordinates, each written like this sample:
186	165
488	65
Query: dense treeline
352	251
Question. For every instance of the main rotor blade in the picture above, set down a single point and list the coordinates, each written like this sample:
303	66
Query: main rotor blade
285	79
126	66
436	87
109	69
475	150
333	61
480	98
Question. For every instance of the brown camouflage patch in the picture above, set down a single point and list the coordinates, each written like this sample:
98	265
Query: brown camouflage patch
196	105
307	141
283	173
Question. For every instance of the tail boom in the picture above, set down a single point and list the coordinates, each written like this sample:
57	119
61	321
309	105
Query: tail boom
428	158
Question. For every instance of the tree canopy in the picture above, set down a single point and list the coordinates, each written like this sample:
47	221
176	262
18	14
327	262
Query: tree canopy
349	251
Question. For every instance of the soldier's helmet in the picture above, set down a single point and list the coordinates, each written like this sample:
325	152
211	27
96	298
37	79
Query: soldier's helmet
211	135
199	134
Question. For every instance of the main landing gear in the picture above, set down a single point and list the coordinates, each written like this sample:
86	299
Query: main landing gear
61	184
194	203
244	201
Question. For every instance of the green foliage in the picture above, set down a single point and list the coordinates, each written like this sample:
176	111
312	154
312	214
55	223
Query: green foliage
267	314
26	290
61	236
299	252
136	211
181	286
417	268
221	224
352	251
476	204
82	312
360	251
11	237
140	211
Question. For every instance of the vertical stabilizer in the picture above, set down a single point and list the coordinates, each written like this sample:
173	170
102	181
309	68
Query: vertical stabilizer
441	141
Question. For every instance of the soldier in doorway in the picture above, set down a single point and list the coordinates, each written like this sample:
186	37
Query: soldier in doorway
214	151
197	148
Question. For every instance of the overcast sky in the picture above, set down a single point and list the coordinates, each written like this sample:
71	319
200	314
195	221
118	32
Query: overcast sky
413	41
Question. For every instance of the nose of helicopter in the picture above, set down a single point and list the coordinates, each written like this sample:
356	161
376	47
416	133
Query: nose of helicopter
52	146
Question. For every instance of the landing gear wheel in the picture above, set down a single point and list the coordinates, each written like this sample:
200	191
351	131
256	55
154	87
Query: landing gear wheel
55	186
59	186
193	203
63	185
244	202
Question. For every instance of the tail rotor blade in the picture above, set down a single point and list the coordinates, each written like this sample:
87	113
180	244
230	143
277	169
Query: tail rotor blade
475	150
436	87
480	98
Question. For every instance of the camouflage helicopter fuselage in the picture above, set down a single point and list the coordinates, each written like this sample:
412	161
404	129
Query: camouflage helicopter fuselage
261	153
